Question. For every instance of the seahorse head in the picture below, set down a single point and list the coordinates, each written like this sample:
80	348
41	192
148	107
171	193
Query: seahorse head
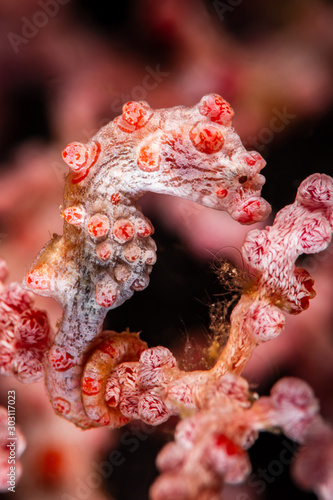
193	153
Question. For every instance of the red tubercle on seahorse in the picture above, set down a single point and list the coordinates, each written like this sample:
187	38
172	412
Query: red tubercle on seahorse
216	108
221	192
60	359
106	292
122	273
39	278
104	251
74	215
144	228
132	253
61	406
80	158
115	198
253	158
90	386
148	159
135	115
206	138
98	226
123	230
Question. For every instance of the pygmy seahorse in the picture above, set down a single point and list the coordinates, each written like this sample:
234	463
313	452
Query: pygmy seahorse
106	251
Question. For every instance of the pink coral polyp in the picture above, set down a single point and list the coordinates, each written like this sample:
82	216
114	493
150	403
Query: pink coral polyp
15	297
28	365
316	191
32	327
152	410
263	321
316	234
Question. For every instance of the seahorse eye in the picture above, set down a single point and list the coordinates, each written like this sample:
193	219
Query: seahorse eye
242	179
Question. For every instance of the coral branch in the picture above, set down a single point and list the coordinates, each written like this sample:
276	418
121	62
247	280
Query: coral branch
25	334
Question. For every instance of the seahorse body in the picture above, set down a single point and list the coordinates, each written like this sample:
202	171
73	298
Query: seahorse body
106	251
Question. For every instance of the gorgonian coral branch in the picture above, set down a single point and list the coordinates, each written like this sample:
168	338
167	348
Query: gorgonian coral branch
25	334
106	251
